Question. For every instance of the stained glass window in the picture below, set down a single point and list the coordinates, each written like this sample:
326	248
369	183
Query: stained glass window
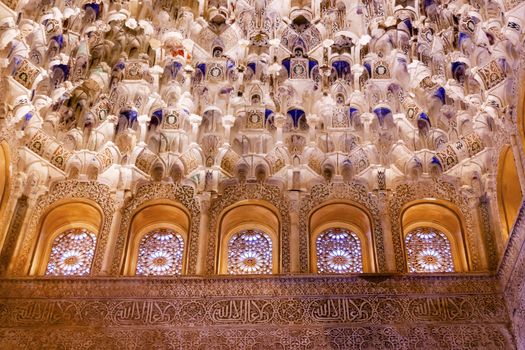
72	253
160	253
250	252
338	251
428	250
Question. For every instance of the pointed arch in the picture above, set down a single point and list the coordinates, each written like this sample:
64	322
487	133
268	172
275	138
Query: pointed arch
438	221
157	205
155	217
509	191
5	183
263	207
68	204
335	205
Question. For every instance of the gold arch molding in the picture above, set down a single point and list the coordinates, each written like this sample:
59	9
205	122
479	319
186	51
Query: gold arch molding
509	192
5	183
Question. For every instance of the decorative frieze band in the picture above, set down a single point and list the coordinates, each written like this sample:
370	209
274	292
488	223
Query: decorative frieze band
425	336
251	311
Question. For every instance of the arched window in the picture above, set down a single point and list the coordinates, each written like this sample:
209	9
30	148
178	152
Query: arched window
509	191
428	250
250	252
160	253
338	251
72	253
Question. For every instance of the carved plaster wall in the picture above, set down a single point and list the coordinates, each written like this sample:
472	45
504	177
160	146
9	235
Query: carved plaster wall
211	103
511	274
301	312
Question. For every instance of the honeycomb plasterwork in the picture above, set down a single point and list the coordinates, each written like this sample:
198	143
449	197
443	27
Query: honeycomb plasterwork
157	83
511	274
413	99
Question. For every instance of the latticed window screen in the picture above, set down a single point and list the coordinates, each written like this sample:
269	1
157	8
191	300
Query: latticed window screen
428	250
160	253
338	251
250	252
72	253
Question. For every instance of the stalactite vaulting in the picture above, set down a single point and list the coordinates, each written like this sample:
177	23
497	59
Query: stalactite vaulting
365	151
375	91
